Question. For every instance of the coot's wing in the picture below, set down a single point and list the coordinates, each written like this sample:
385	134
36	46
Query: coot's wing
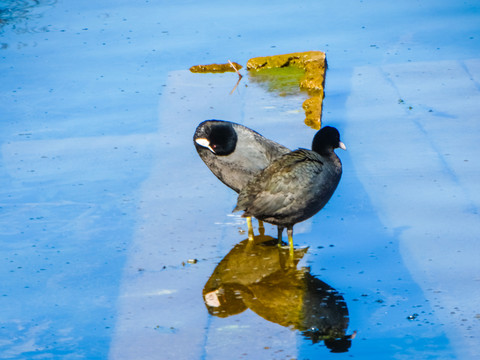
273	191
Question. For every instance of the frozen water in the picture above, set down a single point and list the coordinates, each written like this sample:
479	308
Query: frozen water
434	201
104	199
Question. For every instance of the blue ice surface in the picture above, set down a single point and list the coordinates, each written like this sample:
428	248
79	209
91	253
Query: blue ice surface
350	249
362	259
81	83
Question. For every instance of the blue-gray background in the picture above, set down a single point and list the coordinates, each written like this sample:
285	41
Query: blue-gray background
103	198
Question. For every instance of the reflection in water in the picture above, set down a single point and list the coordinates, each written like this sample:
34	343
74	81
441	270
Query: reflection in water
257	275
15	11
282	81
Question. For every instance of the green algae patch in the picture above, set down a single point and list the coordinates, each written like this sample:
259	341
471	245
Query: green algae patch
314	66
282	81
216	68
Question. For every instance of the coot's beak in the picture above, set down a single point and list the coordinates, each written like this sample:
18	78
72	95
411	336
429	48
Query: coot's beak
342	146
205	143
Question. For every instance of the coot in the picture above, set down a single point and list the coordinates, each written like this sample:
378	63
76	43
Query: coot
235	153
296	186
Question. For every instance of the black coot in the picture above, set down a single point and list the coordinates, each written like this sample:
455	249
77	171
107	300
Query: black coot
235	153
296	186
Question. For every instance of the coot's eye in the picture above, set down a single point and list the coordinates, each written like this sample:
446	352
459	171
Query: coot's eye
214	146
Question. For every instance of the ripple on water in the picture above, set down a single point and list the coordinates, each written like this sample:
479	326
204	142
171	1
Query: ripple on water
20	13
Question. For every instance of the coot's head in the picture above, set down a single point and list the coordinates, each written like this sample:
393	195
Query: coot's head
218	136
326	140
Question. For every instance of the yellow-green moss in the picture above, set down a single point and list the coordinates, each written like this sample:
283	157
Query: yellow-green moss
313	107
215	68
314	65
282	73
293	59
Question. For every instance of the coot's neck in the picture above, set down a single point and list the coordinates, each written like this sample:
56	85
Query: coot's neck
323	149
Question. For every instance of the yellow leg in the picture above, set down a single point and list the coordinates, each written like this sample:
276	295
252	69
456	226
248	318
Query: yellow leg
290	243
250	229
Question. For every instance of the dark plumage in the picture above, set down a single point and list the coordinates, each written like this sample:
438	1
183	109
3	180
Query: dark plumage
233	152
296	186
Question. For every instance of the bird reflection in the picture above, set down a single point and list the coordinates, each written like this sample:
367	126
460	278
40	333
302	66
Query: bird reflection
258	275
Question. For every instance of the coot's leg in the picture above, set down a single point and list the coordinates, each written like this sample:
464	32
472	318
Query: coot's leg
250	228
261	228
280	231
290	241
